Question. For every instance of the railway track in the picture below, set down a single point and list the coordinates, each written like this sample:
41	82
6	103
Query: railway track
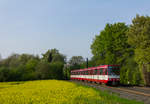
133	93
132	90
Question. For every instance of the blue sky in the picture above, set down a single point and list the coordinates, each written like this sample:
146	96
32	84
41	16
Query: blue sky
34	26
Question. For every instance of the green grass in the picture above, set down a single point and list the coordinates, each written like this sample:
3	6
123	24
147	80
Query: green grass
55	92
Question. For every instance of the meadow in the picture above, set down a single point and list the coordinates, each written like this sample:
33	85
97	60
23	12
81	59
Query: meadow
55	92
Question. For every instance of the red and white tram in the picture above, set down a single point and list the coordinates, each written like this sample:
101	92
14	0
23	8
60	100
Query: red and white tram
109	74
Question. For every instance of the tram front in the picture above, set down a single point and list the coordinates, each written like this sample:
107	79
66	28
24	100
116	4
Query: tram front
113	74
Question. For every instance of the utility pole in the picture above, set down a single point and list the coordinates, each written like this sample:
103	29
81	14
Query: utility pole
87	63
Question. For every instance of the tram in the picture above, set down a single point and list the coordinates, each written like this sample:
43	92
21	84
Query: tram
108	74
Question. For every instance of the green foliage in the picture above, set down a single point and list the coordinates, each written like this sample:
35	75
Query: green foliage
110	44
66	73
139	39
4	74
56	70
111	47
28	67
129	73
128	46
43	70
76	60
47	70
53	55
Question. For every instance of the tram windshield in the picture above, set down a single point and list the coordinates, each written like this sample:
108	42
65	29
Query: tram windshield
113	70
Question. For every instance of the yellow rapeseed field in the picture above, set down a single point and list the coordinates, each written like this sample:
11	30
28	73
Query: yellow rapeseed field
49	92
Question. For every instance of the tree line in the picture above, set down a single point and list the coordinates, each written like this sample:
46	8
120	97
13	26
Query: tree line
29	67
118	43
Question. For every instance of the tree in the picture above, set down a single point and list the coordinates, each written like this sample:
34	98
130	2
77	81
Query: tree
4	74
43	70
139	39
66	72
111	47
30	69
53	55
24	58
110	44
11	61
76	62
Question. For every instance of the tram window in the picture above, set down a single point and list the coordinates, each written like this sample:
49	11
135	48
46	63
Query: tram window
105	71
101	71
95	71
112	70
91	72
86	72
